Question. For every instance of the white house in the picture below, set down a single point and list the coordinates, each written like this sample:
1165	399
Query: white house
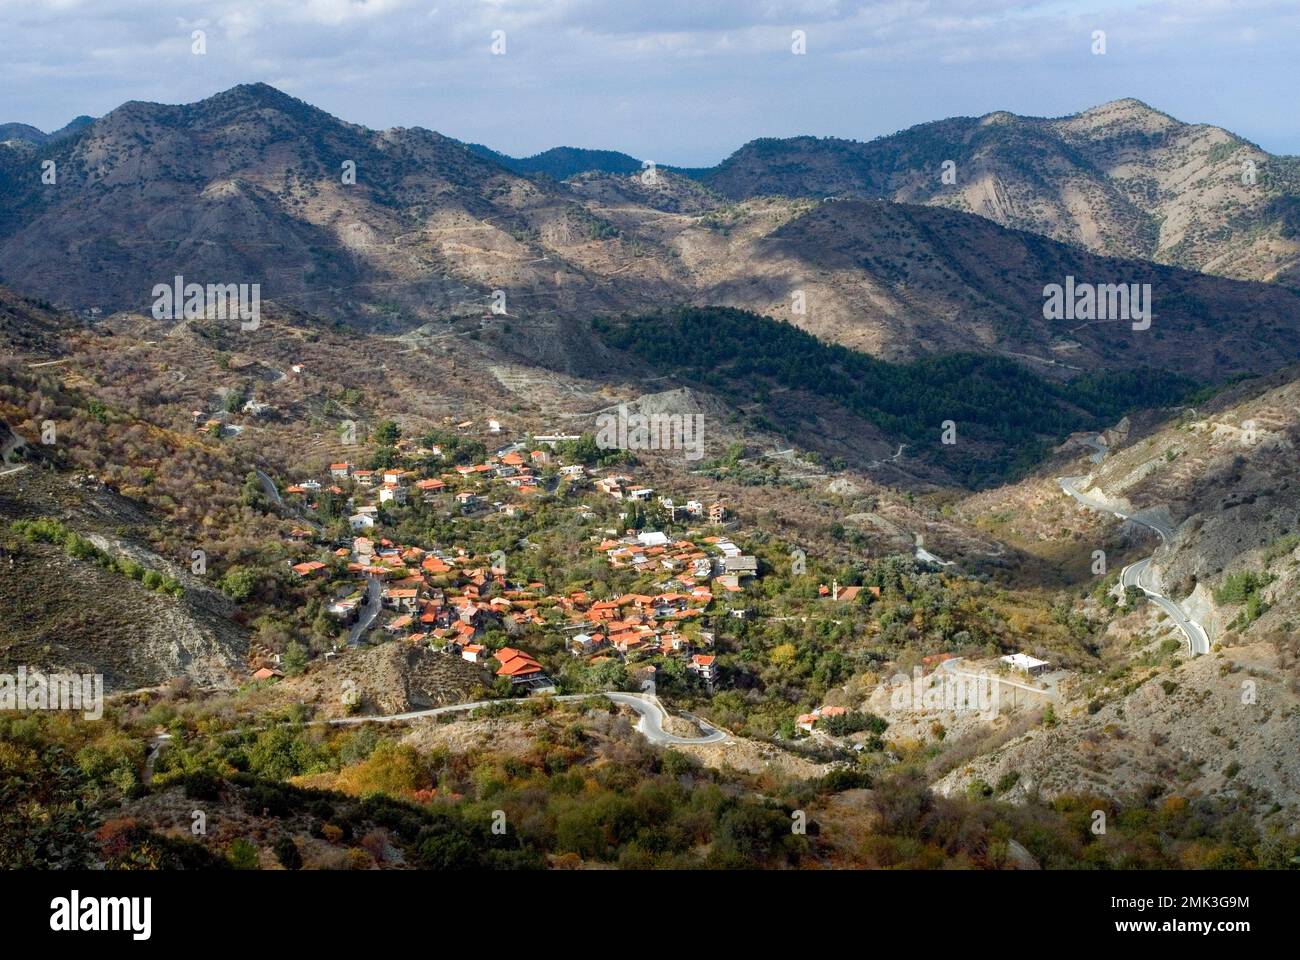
393	492
360	521
1026	664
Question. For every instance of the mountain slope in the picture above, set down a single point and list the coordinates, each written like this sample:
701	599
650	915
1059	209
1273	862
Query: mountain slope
1120	179
249	187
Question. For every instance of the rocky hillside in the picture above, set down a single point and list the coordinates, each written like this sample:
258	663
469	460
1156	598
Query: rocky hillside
430	229
67	612
1189	728
1121	179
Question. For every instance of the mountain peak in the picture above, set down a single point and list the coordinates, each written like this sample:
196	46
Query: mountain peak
1129	109
255	94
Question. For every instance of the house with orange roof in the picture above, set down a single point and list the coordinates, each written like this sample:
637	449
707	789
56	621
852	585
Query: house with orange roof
521	668
705	665
308	569
400	598
808	721
399	625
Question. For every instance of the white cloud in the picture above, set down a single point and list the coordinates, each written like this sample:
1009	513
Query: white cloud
710	74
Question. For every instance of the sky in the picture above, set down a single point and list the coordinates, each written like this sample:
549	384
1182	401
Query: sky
681	82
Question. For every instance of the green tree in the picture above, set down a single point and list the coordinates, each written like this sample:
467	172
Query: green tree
294	659
238	583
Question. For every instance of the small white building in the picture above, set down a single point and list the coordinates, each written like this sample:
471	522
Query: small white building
361	521
1031	666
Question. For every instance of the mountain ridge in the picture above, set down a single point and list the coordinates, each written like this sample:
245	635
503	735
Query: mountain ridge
430	230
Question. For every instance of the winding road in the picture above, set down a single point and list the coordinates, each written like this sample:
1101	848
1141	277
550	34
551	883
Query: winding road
649	710
1139	574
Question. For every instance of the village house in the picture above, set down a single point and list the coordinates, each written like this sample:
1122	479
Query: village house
705	665
583	644
344	610
430	487
365	478
400	625
401	598
308	569
360	521
613	486
340	471
392	493
521	668
741	565
808	721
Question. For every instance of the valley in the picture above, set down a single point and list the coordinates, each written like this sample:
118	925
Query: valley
880	546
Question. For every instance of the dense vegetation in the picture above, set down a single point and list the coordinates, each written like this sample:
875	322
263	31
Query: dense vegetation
581	791
1003	413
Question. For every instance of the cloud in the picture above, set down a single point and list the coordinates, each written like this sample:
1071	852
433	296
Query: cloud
704	76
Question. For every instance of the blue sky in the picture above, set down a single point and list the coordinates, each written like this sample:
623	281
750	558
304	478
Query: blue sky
674	81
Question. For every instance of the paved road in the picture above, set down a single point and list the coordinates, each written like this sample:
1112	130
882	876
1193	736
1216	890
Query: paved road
926	556
950	666
1139	574
268	485
374	598
648	709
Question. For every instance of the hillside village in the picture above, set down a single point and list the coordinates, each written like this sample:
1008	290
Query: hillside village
452	601
935	581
